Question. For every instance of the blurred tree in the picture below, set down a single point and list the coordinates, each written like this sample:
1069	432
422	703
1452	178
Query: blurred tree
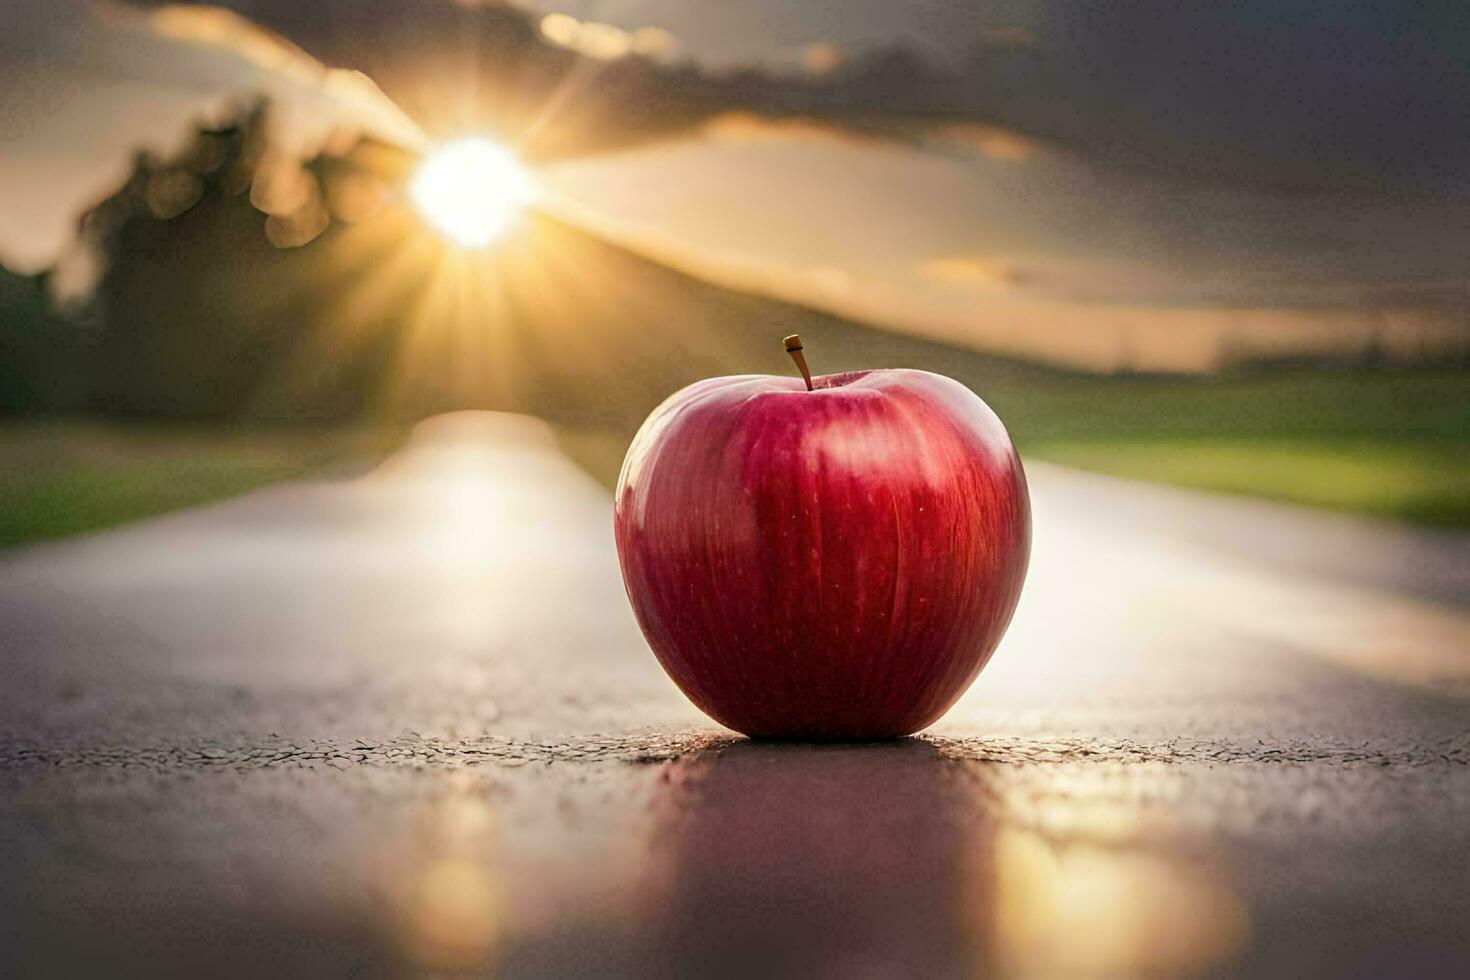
23	322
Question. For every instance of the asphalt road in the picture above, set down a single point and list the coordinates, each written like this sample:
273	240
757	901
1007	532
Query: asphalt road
404	724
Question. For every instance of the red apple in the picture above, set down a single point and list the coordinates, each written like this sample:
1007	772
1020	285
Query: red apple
837	562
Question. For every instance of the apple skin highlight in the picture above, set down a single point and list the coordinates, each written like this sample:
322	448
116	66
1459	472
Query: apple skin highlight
837	563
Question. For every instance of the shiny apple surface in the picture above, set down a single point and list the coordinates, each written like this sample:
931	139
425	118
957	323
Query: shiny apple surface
834	563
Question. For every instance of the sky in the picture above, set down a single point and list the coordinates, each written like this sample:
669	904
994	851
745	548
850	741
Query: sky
1114	175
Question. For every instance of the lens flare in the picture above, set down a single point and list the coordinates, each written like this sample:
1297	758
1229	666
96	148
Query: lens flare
472	191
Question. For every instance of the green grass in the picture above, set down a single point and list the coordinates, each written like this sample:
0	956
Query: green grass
65	477
1416	406
1423	483
1392	444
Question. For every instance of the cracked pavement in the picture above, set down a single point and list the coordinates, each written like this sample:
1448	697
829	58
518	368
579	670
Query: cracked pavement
403	724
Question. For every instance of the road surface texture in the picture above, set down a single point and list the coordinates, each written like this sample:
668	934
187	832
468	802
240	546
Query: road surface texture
404	724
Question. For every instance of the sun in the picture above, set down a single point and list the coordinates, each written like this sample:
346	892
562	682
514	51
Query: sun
472	191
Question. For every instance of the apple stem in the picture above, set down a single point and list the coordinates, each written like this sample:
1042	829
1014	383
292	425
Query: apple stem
793	347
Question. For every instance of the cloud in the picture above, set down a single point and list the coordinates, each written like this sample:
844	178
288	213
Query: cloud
88	85
821	58
961	138
605	42
750	127
977	272
655	42
1012	37
341	96
831	279
994	142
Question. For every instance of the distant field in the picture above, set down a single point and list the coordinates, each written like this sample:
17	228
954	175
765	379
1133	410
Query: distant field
61	477
1394	445
1390	444
1424	483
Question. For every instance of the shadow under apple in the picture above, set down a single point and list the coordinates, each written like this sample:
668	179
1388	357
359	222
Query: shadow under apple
817	860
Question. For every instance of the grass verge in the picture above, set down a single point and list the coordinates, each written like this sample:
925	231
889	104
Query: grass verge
61	477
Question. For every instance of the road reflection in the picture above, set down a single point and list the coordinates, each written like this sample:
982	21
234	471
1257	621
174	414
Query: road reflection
1086	909
821	861
451	908
892	860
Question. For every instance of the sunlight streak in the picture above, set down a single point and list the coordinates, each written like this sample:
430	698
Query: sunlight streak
472	191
